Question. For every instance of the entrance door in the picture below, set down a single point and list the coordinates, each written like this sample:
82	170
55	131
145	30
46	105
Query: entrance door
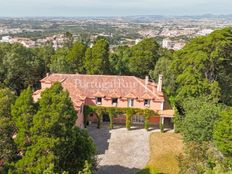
105	118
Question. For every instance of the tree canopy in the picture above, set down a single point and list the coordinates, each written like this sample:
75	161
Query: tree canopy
97	58
223	134
22	112
7	128
42	137
202	67
144	57
54	138
200	115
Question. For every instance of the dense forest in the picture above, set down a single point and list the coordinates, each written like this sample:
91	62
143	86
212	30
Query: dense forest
197	80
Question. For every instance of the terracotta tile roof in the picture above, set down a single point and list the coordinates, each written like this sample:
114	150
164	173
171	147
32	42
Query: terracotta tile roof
37	92
168	110
86	86
167	113
146	96
99	94
131	95
114	94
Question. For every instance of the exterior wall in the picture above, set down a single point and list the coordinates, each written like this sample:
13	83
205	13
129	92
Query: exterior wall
122	103
90	101
154	120
45	85
121	119
36	97
107	102
80	118
155	105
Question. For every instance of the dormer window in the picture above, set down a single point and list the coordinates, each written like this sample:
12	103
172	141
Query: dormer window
114	101
98	100
130	102
147	103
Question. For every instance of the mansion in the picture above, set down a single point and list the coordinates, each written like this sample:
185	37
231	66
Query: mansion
111	91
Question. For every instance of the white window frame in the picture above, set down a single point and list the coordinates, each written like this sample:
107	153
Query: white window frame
99	102
114	103
130	102
148	103
81	108
162	106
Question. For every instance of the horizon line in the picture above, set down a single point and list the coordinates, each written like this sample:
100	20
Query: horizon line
137	15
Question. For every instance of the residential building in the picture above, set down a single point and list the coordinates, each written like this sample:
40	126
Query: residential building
111	91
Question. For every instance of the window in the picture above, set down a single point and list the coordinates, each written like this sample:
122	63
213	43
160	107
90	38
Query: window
98	100
81	108
130	102
147	103
137	119
114	101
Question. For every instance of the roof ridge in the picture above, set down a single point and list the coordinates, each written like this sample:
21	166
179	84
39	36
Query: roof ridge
66	74
61	81
145	86
106	75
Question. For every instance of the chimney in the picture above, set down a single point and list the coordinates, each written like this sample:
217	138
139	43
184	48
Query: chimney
146	80
159	87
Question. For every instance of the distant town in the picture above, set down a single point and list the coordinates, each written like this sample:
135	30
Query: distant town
170	32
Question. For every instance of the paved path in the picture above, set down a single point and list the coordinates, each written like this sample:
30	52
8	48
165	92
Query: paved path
121	151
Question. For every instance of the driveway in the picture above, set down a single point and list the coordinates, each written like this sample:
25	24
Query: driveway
121	151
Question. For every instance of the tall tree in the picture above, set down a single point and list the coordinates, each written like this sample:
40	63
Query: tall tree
22	112
223	135
76	57
200	116
119	59
45	53
163	66
68	39
59	61
23	67
203	67
144	57
8	149
99	58
54	138
4	49
89	66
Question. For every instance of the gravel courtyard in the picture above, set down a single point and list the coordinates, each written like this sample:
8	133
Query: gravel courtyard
121	151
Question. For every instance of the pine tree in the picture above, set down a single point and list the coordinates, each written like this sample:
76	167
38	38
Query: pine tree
54	138
97	58
22	112
7	128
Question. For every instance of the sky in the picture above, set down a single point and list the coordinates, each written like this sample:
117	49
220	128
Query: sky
113	7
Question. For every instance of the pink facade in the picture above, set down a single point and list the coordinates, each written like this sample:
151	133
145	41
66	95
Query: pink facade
107	91
123	103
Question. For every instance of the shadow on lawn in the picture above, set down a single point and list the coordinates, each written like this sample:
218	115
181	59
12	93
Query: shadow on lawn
149	171
116	169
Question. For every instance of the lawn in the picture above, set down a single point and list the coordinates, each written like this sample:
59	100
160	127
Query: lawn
164	149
